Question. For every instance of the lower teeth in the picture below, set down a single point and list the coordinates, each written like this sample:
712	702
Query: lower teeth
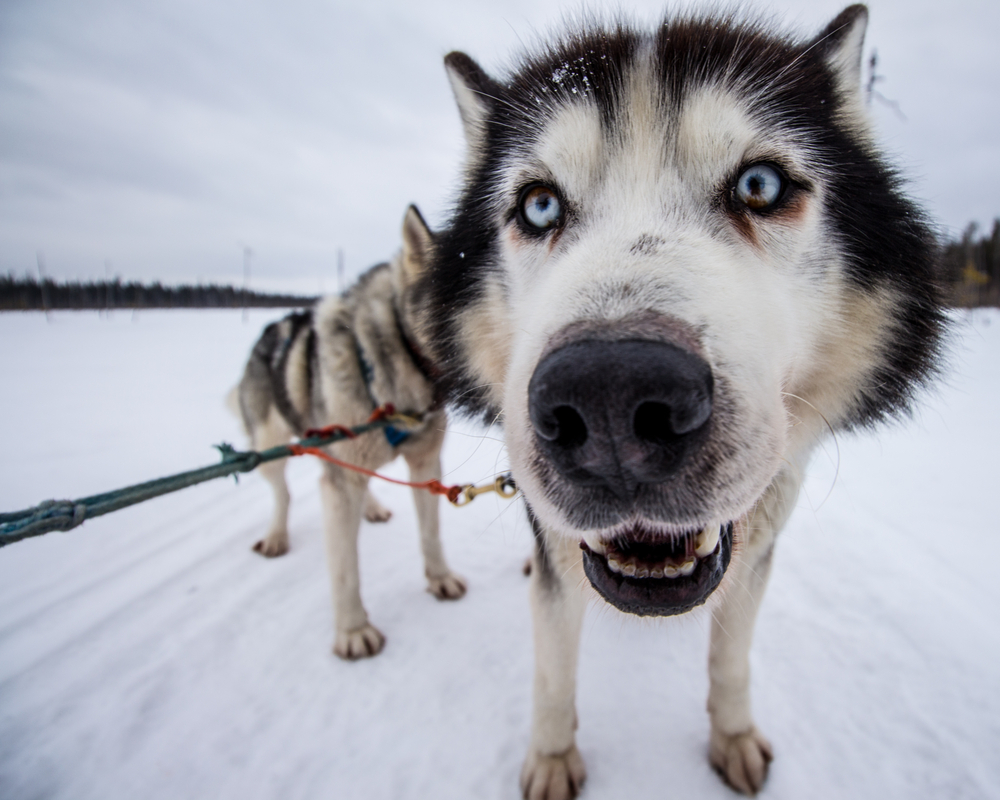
663	570
705	542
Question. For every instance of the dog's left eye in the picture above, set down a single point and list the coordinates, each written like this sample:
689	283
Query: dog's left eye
540	207
759	187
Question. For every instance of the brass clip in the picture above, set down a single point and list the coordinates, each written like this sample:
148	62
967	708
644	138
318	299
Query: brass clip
503	485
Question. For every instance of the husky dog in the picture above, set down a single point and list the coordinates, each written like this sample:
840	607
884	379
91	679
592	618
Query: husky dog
677	260
334	364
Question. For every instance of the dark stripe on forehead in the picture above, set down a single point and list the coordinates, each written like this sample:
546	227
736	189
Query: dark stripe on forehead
779	79
771	72
589	66
691	53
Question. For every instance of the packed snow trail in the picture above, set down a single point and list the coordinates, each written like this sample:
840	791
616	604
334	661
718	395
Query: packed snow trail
151	654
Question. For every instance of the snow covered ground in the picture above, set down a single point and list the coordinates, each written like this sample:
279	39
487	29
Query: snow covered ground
150	654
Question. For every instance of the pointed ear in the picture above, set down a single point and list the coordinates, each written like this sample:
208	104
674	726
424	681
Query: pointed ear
418	244
475	94
841	44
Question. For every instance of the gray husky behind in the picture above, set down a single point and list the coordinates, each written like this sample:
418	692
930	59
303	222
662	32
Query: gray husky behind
334	364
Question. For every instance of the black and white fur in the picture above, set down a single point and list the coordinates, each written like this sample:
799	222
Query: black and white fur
677	261
334	364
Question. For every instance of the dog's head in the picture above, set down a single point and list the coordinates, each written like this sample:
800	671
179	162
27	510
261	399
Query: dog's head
677	258
384	322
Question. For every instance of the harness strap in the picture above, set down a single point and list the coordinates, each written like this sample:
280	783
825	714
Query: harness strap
395	436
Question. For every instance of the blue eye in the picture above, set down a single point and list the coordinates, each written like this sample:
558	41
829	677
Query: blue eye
759	187
540	207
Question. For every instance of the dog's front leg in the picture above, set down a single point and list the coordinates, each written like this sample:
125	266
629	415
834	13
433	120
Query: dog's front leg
554	769
343	502
739	751
441	581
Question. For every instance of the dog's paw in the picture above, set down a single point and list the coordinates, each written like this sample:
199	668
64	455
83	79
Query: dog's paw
741	759
273	546
558	777
450	587
375	511
363	642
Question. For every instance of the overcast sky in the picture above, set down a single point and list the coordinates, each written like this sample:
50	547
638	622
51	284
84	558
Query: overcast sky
157	140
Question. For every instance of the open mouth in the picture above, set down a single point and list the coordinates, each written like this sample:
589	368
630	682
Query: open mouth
649	574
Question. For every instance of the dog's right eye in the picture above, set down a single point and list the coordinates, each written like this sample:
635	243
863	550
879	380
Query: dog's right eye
540	207
759	187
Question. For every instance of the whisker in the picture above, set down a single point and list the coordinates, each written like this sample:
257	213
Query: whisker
482	439
836	444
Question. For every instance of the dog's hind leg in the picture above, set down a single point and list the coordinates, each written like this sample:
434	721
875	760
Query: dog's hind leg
374	510
343	496
738	751
554	769
274	431
444	584
275	543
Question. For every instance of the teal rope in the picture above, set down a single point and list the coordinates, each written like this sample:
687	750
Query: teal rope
64	515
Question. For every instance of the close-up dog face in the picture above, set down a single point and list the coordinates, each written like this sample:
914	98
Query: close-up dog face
662	241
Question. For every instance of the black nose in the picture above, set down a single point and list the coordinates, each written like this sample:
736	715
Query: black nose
620	414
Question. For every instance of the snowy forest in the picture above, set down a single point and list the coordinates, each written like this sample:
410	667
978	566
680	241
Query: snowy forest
28	294
971	266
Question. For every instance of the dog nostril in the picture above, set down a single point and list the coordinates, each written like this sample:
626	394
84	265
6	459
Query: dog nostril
660	423
572	430
652	423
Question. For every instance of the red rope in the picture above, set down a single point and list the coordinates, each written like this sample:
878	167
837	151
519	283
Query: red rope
432	486
380	413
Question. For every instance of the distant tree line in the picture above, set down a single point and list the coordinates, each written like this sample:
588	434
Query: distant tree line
27	294
971	268
972	265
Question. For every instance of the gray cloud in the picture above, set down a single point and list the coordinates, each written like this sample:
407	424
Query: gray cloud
165	137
